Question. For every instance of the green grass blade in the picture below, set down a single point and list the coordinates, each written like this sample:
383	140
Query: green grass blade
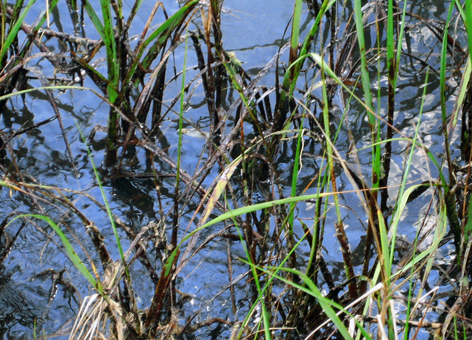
113	63
364	71
41	22
27	46
295	170
69	249
95	19
239	212
159	37
14	30
107	205
181	118
385	258
290	78
394	225
468	17
325	303
366	85
294	39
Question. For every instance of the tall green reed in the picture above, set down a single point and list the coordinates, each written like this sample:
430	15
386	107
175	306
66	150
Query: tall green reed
290	78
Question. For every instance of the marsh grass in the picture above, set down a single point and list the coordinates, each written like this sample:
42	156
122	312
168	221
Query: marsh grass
294	290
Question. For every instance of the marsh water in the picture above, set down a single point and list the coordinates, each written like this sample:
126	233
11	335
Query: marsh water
41	290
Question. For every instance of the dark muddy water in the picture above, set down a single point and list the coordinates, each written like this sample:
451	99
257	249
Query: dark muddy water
37	279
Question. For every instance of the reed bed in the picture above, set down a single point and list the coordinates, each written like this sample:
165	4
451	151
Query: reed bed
306	186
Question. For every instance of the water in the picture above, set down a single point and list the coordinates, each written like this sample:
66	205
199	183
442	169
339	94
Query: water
254	31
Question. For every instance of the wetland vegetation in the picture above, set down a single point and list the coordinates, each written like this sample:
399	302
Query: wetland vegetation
157	185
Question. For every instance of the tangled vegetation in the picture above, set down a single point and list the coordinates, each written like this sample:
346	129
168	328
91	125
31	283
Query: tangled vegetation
281	173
